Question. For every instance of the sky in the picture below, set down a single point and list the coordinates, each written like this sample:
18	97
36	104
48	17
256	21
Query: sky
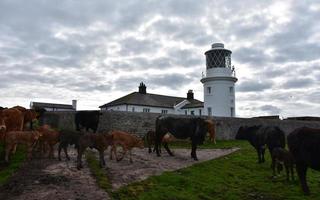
97	51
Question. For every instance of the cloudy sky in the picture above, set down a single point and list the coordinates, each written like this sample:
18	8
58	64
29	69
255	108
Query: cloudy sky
97	51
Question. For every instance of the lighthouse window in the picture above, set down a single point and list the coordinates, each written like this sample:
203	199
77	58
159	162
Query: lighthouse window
231	90
209	90
209	111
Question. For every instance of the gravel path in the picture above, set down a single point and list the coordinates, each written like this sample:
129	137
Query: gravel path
145	164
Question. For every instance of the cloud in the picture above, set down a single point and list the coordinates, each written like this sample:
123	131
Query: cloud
254	86
96	51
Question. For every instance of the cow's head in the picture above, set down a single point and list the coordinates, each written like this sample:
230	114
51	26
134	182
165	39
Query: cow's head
201	131
245	132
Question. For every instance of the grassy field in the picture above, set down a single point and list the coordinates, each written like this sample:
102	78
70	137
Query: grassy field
6	170
236	176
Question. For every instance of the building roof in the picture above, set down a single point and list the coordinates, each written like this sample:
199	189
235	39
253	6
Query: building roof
51	105
193	104
153	100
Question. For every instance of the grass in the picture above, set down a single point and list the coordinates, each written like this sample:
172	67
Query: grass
16	160
236	176
99	173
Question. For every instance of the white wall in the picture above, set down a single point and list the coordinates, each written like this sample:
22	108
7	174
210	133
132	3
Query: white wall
153	109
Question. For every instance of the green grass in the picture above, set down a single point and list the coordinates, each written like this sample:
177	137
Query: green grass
16	160
236	176
99	173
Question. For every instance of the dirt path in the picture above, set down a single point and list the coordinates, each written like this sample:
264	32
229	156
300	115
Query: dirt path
145	164
52	180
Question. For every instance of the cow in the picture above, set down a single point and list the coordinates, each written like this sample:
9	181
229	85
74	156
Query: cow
49	138
12	138
259	136
181	128
304	145
87	120
13	119
94	140
280	155
127	141
211	130
66	138
29	116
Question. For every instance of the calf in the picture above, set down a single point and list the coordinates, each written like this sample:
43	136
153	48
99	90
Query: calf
259	136
280	155
66	138
304	145
12	138
49	138
211	130
127	141
150	140
29	116
94	140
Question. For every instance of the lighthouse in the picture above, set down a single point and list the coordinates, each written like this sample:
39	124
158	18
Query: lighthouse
218	82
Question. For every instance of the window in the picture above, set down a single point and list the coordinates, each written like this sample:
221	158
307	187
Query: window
209	90
185	112
133	109
232	111
164	111
192	112
209	111
231	90
199	112
146	110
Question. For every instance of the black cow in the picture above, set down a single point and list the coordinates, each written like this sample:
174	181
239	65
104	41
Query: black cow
66	138
304	145
87	120
181	128
259	136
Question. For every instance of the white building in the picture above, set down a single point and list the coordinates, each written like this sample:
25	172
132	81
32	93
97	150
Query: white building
142	101
218	82
218	89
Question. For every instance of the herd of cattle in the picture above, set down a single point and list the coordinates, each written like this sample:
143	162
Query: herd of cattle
17	127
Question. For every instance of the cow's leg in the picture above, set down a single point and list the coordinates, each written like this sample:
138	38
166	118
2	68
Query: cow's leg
259	154
111	152
302	171
14	148
7	152
59	151
158	143
65	149
193	151
262	153
101	156
165	144
79	157
273	165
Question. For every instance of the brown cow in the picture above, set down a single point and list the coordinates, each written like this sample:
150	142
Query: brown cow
49	138
150	140
12	138
93	140
127	141
211	130
2	126
29	116
14	119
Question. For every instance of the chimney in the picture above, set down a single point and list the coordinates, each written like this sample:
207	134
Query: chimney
190	95
142	88
74	104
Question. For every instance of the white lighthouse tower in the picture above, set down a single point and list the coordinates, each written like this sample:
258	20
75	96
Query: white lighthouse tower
218	82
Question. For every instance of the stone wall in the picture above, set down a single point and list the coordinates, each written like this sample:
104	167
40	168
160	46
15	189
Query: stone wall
140	123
